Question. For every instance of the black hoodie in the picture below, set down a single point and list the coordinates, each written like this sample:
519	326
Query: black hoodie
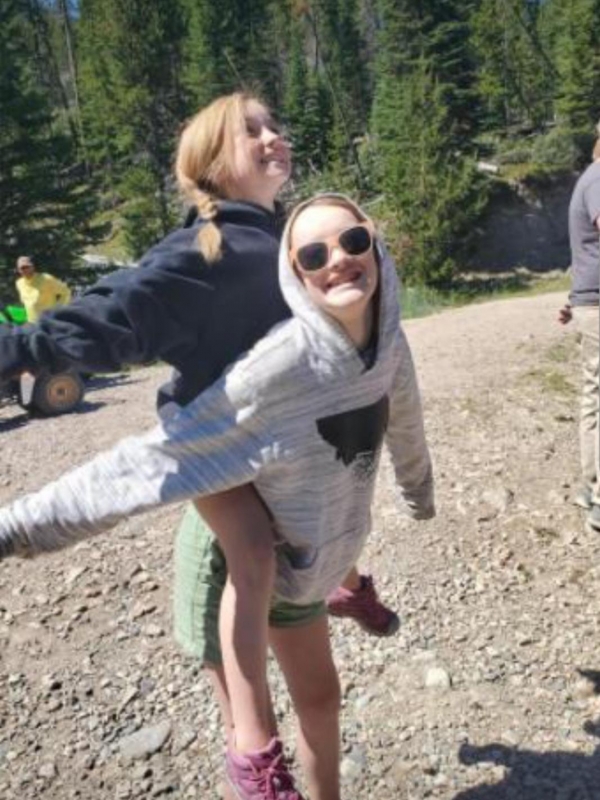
197	317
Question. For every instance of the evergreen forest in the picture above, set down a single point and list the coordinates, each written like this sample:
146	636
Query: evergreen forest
397	102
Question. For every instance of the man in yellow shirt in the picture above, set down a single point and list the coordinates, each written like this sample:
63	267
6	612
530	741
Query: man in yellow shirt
39	291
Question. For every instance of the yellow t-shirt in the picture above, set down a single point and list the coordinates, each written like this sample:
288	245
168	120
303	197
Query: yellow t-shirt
40	292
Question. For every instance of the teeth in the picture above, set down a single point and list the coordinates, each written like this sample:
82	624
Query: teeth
344	281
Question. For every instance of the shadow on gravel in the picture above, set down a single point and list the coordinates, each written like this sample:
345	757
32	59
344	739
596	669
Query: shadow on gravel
593	676
95	382
14	423
85	408
553	775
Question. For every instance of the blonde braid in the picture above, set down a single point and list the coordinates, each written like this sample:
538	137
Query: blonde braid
209	235
203	164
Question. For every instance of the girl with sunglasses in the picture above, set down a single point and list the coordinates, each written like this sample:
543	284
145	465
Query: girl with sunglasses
312	457
231	163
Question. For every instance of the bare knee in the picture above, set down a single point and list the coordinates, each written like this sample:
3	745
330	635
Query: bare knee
319	702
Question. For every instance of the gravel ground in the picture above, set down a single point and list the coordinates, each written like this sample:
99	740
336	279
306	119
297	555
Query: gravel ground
491	689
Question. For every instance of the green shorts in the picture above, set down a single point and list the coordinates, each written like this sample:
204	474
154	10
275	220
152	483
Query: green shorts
200	575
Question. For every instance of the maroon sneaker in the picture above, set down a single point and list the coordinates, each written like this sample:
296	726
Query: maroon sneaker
262	775
365	607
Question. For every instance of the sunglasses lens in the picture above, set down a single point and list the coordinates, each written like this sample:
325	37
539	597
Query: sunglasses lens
353	241
312	256
356	241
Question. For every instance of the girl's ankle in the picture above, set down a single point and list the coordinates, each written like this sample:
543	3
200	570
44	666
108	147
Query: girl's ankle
256	742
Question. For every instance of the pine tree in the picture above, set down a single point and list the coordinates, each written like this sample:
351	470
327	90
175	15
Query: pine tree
231	45
98	60
577	47
45	206
338	54
516	72
131	56
306	107
432	191
445	41
439	31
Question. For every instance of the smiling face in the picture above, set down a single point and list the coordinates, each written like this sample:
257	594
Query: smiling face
261	161
345	286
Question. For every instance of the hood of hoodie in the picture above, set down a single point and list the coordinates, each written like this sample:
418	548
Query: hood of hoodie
316	319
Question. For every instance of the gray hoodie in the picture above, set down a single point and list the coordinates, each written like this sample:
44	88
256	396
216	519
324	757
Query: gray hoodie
300	416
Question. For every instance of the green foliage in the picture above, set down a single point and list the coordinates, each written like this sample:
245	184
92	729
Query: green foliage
131	60
516	74
433	192
232	44
306	109
387	99
420	301
550	380
45	199
556	150
340	51
437	31
101	88
142	212
577	53
514	152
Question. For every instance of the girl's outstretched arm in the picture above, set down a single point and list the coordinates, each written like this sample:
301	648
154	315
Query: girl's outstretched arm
207	447
130	317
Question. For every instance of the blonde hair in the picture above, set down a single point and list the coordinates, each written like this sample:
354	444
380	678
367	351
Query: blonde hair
203	164
337	201
329	199
596	150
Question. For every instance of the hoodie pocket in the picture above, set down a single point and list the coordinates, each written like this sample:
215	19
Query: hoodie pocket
309	574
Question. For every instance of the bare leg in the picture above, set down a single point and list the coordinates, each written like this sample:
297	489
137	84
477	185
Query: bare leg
217	678
244	531
219	684
304	654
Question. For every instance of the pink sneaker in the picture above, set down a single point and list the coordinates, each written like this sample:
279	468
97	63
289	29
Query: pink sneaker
365	607
262	775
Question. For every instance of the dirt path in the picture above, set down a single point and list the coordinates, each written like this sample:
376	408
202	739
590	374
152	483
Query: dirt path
481	696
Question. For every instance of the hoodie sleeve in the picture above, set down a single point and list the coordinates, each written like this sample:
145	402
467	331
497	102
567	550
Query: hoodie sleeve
206	447
133	316
406	441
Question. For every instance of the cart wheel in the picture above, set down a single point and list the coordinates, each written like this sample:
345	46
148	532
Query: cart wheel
57	394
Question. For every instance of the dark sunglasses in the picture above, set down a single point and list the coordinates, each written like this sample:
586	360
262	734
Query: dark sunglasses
354	241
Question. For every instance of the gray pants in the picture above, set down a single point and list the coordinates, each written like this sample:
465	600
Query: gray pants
586	320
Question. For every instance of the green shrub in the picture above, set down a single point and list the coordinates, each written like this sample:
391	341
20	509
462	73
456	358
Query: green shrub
517	154
557	149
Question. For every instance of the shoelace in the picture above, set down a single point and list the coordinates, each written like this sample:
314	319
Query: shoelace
274	778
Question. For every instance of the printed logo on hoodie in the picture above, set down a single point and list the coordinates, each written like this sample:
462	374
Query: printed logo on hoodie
357	436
